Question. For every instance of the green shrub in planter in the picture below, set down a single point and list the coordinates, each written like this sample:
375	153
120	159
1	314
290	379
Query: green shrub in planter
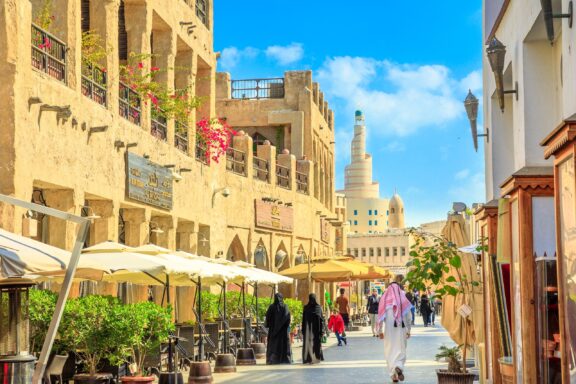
296	309
42	306
138	329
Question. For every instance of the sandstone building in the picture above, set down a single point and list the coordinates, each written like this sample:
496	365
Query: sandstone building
85	144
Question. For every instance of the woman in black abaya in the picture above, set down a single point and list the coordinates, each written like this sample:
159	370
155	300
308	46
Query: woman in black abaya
278	324
312	329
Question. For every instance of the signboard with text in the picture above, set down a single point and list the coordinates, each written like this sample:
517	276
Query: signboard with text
148	182
274	216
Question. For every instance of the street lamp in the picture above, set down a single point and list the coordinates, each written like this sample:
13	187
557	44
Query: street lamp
549	17
471	105
496	52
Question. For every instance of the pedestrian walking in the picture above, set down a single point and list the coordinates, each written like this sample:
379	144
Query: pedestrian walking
312	329
343	307
278	350
425	309
336	325
432	299
412	301
372	308
394	311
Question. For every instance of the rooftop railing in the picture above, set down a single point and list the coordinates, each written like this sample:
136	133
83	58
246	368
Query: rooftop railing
236	161
130	104
282	176
258	89
301	182
48	54
260	167
94	83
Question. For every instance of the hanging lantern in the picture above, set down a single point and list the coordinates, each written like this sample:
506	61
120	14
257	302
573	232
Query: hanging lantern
16	362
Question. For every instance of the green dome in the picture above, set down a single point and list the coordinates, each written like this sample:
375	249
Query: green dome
358	113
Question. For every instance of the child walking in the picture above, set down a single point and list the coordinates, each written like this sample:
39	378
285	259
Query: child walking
336	325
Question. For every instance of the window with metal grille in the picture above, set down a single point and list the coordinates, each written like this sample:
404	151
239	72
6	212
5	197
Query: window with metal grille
371	252
403	251
202	11
85	16
379	252
122	34
395	250
363	252
387	252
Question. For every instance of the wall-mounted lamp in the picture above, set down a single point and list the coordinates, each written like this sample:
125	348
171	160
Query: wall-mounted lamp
471	105
496	52
225	191
86	209
549	17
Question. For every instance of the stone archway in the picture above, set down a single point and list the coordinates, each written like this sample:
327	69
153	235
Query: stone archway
236	250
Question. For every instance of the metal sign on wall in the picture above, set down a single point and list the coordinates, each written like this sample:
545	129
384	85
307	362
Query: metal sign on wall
274	216
148	182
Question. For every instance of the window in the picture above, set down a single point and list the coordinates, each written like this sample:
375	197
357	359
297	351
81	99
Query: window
202	11
375	222
355	252
369	231
403	251
387	213
355	212
348	251
369	222
122	34
85	16
363	252
369	212
371	252
395	250
392	210
379	252
375	212
387	252
355	222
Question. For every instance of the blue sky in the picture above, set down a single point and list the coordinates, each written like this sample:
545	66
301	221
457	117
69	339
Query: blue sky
407	65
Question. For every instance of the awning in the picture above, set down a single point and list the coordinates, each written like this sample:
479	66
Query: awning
471	249
329	270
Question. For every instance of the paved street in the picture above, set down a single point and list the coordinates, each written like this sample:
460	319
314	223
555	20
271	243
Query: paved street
360	362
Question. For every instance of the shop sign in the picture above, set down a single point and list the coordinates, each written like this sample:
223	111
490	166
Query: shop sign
324	230
148	182
274	216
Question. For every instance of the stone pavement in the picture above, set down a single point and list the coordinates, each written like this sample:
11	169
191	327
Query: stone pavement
361	362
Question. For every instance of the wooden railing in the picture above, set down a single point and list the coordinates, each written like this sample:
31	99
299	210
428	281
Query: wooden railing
261	171
236	161
282	176
48	53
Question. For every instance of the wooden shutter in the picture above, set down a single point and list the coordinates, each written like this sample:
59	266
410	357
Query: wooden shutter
85	16
122	34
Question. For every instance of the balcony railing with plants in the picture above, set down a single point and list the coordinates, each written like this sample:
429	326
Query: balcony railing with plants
260	167
130	104
258	89
181	137
94	83
236	161
282	176
202	153
48	53
301	182
159	125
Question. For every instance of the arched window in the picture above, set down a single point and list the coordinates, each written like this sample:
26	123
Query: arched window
393	210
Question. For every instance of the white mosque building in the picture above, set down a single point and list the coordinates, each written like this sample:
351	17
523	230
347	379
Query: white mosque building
366	212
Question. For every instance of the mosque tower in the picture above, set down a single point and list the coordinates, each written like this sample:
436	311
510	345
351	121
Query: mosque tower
365	210
358	175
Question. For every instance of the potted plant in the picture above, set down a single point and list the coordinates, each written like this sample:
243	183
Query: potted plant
437	263
138	329
452	356
86	329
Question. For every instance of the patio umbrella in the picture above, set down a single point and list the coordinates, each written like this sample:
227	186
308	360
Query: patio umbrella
326	270
455	324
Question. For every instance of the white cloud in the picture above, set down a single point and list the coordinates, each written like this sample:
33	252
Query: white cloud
231	56
395	146
285	55
469	190
473	82
397	99
463	174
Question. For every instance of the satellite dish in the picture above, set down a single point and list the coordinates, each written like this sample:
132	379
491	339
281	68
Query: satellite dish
458	207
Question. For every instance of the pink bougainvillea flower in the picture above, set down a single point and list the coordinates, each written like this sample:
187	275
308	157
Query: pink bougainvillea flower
154	69
140	65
